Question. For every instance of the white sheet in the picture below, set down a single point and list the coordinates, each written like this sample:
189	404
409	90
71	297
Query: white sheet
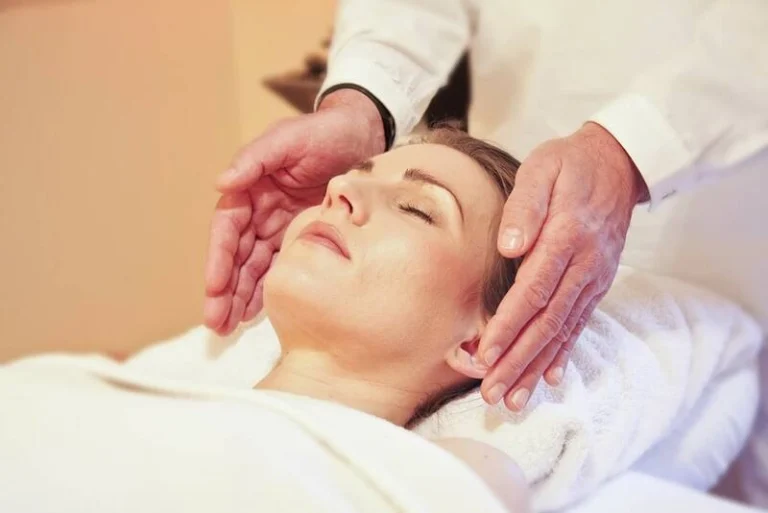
88	436
634	492
697	451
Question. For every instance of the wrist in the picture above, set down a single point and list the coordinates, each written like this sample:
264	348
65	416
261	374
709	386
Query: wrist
366	116
614	154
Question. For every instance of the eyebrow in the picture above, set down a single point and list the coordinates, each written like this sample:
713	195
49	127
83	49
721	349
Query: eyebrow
419	175
416	175
366	166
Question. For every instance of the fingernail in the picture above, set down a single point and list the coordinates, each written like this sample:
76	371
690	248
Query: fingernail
496	392
557	375
520	398
492	355
512	239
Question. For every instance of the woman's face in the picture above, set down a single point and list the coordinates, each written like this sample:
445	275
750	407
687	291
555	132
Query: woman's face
392	264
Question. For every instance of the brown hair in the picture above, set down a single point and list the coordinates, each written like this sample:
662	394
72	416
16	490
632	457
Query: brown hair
502	168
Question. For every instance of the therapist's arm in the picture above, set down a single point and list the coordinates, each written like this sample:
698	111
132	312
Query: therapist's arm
401	51
703	111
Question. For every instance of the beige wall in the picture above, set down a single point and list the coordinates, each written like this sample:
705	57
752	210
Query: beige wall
115	117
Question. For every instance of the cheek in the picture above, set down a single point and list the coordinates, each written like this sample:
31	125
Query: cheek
421	269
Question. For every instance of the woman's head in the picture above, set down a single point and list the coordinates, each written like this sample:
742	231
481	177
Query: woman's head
398	266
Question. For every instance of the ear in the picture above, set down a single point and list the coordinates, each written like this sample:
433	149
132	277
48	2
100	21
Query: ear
463	358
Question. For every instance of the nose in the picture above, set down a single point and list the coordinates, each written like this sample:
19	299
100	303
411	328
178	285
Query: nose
346	193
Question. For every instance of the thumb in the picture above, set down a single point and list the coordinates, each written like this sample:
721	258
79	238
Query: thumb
525	211
260	157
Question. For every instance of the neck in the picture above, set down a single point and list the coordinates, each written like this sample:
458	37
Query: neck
315	374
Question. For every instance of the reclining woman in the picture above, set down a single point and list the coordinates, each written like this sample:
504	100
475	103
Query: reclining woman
380	294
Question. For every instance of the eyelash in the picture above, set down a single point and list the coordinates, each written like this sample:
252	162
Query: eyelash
410	209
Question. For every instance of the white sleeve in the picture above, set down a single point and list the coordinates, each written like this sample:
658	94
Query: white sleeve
402	51
704	110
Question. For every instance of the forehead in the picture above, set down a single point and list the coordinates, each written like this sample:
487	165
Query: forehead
478	194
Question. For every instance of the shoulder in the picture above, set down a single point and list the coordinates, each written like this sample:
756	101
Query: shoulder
502	475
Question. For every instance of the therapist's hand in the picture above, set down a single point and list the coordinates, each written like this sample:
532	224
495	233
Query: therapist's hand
273	179
568	214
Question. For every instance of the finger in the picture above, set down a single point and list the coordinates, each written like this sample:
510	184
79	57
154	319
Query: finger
263	156
520	393
227	327
219	307
230	218
259	257
216	311
555	372
525	210
539	332
534	285
253	270
554	375
256	303
248	239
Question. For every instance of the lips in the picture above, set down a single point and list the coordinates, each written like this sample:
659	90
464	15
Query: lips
326	235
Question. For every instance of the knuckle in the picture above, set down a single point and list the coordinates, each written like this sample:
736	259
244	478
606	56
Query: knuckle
564	355
569	345
524	203
537	295
578	309
232	228
254	270
564	334
534	208
550	326
507	324
512	369
581	278
557	258
576	229
576	332
585	230
595	264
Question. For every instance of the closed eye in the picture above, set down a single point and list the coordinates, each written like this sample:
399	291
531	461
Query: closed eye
414	211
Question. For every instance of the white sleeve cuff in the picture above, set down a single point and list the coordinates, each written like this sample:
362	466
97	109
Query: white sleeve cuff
654	146
381	81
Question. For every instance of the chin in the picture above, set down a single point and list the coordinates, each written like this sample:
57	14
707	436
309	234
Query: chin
302	298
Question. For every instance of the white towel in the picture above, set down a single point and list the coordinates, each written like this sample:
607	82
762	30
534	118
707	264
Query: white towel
637	375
